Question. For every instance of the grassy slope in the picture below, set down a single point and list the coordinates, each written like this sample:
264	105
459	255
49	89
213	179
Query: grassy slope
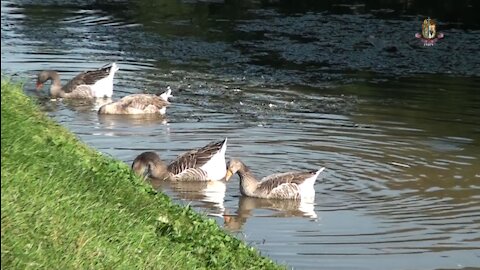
65	205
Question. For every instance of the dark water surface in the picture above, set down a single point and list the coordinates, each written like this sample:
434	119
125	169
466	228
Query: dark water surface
293	86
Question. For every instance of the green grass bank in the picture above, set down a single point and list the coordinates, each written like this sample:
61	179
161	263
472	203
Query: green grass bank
67	206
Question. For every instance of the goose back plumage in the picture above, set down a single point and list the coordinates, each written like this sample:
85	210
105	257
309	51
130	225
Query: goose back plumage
89	77
138	104
289	185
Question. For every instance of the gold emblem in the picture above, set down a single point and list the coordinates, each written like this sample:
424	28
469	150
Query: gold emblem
429	30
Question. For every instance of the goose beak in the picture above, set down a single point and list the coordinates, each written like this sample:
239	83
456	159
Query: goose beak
229	175
39	86
147	172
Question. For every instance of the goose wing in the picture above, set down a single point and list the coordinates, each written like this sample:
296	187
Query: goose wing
142	101
192	174
195	158
285	191
284	185
87	77
82	91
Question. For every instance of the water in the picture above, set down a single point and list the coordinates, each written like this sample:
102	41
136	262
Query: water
292	87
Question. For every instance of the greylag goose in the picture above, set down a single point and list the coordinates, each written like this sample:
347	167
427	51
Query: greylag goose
203	164
289	185
88	84
138	104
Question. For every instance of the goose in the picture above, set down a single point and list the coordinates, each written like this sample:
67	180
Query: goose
294	185
88	84
138	104
202	164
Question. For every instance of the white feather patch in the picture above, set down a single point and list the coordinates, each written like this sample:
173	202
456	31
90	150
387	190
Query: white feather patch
216	167
163	110
307	189
167	94
104	87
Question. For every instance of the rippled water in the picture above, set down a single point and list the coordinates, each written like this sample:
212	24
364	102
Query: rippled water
397	129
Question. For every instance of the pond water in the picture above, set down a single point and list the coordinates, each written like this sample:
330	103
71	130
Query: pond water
292	86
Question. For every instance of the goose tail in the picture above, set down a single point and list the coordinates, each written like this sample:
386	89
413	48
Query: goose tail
114	68
318	172
167	94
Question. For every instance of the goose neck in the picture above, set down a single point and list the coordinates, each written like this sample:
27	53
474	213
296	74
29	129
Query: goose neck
248	183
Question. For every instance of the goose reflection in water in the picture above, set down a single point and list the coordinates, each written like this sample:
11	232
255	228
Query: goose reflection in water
211	194
75	105
281	208
131	120
126	125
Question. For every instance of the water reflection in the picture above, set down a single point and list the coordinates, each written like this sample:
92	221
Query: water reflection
131	120
279	208
211	194
83	105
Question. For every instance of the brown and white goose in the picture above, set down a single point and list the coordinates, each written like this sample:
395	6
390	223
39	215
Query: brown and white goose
295	185
138	104
88	84
203	164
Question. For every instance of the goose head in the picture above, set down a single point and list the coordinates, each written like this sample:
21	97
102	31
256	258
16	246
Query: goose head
149	165
45	76
233	167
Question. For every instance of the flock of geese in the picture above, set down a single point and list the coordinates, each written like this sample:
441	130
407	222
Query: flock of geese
202	164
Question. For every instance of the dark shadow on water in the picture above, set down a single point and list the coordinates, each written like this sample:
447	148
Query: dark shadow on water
278	43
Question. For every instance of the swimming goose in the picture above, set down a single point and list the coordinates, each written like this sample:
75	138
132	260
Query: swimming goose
202	164
288	185
88	84
138	104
